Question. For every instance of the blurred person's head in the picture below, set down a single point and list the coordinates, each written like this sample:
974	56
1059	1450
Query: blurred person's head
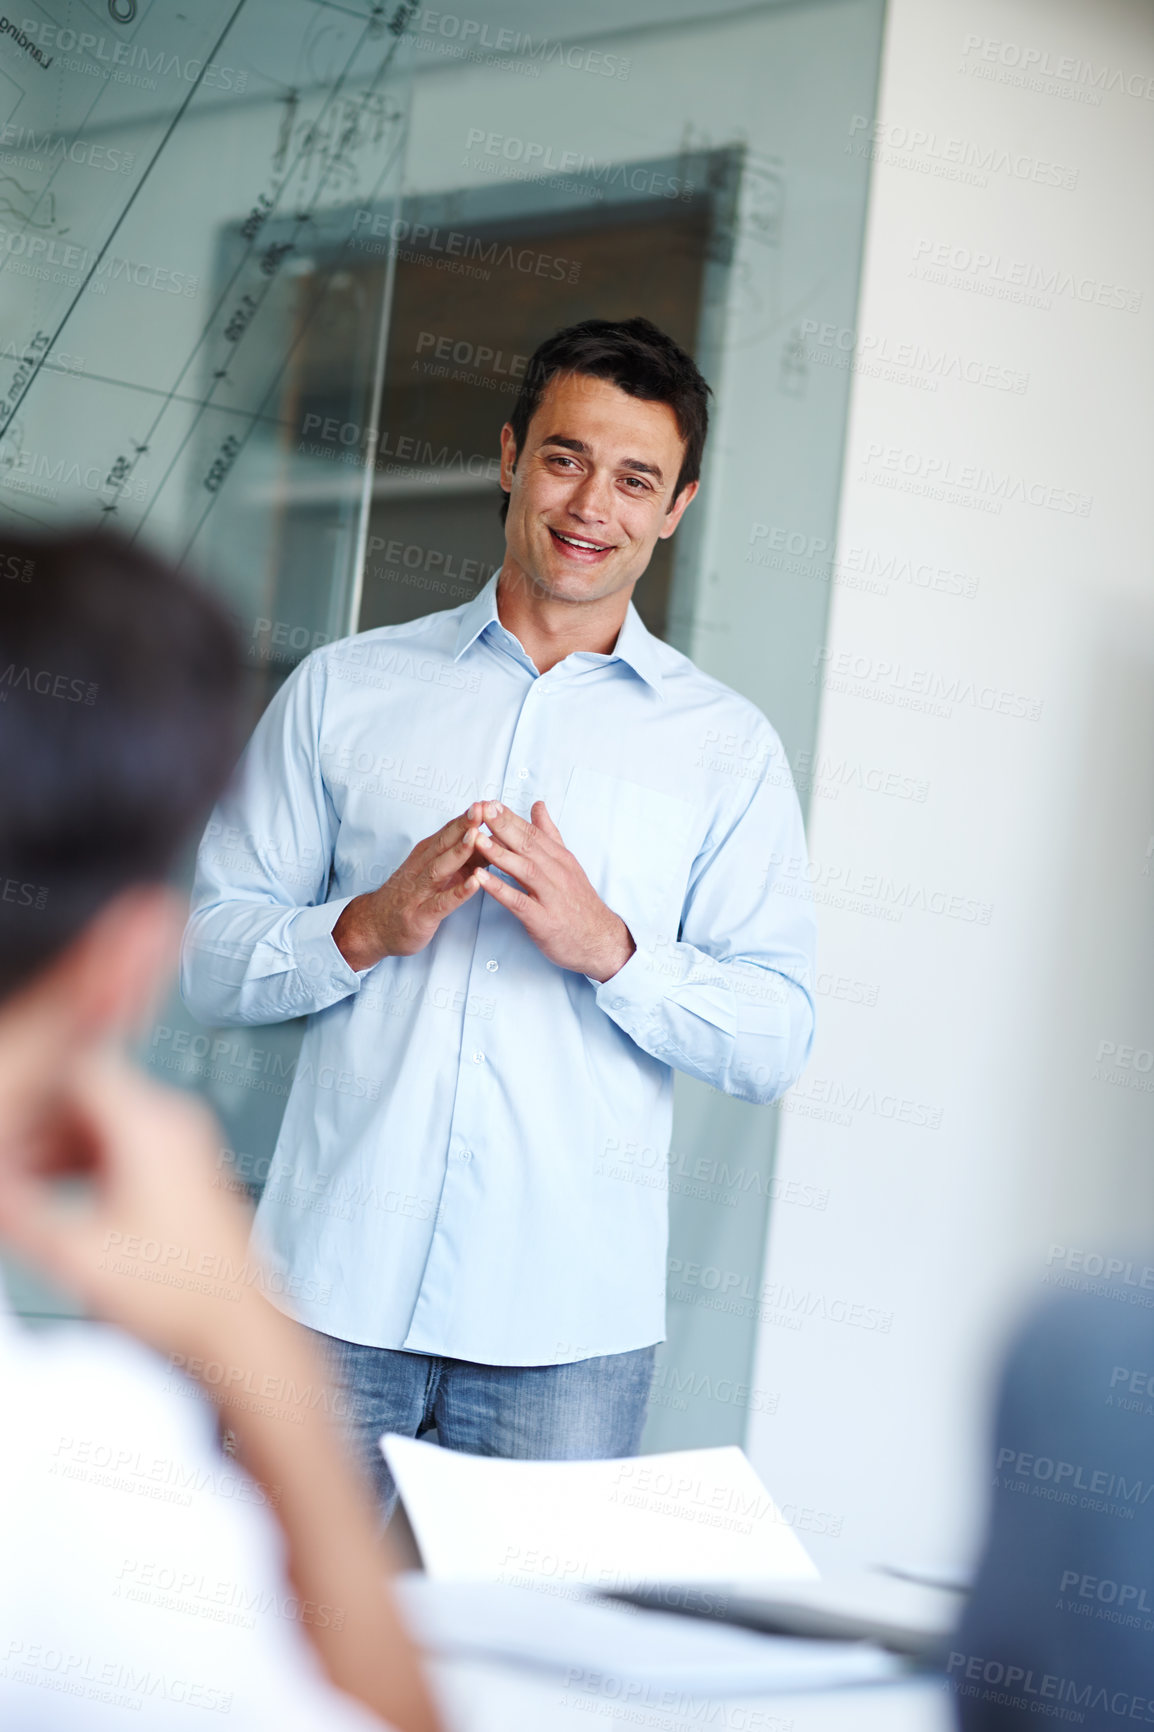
600	456
119	724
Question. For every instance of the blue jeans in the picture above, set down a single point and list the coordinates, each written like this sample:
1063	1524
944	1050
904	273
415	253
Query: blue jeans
592	1409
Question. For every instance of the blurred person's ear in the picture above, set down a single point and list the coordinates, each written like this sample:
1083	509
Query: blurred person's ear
115	971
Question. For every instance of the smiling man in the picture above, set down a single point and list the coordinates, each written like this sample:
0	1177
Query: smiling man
496	859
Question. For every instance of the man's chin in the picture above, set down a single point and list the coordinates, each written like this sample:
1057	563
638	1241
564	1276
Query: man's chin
585	586
590	583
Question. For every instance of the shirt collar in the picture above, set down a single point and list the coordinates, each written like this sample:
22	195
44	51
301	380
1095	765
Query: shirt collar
638	646
635	646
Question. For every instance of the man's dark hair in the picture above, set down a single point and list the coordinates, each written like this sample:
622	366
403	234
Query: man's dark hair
120	683
636	357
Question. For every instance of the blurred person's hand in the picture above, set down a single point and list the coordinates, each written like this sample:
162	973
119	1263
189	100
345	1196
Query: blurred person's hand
400	917
117	1195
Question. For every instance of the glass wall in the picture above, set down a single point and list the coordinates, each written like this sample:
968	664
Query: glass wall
271	272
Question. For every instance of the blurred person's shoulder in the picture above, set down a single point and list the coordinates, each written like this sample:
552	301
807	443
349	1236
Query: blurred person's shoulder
1078	1382
77	1379
1063	1591
1097	1308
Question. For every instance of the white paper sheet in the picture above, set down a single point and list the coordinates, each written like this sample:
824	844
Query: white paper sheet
621	1653
696	1515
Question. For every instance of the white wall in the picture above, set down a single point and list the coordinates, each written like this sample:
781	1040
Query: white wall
989	905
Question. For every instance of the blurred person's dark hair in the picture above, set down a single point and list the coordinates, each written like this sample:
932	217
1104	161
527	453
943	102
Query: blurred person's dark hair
638	358
120	682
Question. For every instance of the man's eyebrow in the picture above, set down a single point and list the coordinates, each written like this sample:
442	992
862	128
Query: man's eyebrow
579	445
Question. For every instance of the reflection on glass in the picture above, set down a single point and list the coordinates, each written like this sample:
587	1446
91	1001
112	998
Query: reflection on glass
271	273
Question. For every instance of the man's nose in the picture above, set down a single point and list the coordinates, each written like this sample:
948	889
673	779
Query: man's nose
591	500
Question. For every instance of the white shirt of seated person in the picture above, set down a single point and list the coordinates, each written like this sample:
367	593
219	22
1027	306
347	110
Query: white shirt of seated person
141	1570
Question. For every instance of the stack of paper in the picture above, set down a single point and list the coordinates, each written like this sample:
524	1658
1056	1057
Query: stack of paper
697	1515
620	1653
516	1552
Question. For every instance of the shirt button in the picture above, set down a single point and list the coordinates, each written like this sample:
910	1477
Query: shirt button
523	774
466	1154
478	1058
492	965
619	1004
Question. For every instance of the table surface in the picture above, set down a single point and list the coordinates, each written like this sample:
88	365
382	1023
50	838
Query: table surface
491	1697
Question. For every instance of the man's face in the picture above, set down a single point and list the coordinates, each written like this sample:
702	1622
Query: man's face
592	491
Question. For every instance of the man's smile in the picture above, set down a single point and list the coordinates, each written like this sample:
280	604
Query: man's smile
580	547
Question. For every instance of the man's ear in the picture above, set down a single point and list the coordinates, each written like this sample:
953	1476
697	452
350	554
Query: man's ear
677	510
508	457
117	968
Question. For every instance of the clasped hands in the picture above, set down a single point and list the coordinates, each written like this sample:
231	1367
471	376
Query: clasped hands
551	895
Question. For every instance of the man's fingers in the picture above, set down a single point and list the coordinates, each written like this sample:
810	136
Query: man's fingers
449	834
506	824
453	857
453	895
523	867
456	826
508	895
514	832
542	820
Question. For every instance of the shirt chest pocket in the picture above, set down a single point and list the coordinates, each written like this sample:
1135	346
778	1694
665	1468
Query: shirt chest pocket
634	843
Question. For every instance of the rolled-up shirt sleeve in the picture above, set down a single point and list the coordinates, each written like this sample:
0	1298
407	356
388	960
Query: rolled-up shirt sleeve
258	947
731	1000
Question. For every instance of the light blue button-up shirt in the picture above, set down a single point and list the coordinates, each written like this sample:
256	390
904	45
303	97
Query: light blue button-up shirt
459	1170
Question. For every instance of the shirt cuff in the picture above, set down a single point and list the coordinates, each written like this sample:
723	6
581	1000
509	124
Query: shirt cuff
315	951
637	989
